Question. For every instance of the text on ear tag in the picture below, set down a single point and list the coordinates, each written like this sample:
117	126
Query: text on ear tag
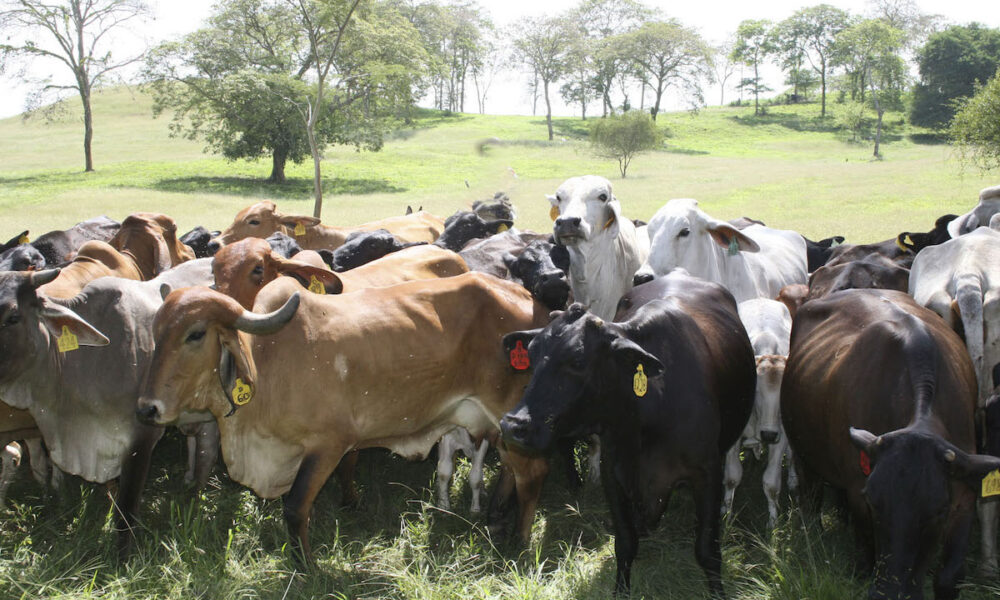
300	229
991	484
242	393
640	382
734	246
316	286
865	463
519	357
502	228
23	239
67	341
554	212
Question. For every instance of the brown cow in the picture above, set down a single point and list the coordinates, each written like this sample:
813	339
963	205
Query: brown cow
321	375
873	271
263	219
878	400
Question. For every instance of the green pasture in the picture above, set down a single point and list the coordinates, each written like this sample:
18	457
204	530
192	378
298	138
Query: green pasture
788	168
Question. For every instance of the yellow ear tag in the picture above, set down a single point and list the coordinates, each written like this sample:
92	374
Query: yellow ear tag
610	221
991	484
639	382
23	239
242	393
901	245
67	341
554	212
502	228
300	229
316	286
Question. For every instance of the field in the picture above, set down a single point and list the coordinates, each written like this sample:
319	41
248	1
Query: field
787	168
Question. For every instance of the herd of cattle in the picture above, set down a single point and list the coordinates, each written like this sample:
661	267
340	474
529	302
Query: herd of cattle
670	347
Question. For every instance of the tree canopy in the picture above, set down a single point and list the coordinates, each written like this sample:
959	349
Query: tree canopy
621	137
975	130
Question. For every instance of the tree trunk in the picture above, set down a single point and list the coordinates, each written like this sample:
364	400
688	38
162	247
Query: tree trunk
822	79
88	129
756	90
548	109
656	104
278	159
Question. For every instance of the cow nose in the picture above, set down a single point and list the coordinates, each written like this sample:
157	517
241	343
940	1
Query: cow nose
213	247
568	222
513	425
770	437
147	413
553	276
641	278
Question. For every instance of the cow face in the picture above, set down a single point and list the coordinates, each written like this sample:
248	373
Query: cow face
681	235
539	275
362	247
584	209
22	258
151	239
260	220
243	268
200	357
910	497
31	325
197	239
767	403
464	226
583	375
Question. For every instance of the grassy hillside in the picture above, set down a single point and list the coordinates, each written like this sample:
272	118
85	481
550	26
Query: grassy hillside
788	168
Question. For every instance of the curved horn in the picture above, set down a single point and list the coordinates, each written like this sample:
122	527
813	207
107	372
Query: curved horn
39	278
268	323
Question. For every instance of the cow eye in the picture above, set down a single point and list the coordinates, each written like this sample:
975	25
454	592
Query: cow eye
12	318
194	336
253	222
558	198
258	270
684	232
603	197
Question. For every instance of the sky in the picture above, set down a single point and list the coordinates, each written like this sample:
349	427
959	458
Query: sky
715	20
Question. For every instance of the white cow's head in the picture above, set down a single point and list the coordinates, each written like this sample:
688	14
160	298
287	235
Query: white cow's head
583	209
681	235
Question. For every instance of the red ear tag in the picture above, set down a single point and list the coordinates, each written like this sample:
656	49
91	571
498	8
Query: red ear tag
865	463
519	357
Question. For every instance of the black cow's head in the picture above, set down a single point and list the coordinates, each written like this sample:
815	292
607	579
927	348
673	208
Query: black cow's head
362	247
539	274
22	258
197	239
909	494
283	244
582	379
464	226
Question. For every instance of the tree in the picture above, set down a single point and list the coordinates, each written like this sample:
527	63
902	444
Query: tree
579	73
754	43
723	67
975	130
950	64
905	16
814	30
871	49
623	136
540	46
76	33
666	53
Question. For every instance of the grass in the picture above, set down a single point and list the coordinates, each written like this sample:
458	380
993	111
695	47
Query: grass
788	168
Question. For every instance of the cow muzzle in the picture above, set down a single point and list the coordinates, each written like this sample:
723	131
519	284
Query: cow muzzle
148	412
568	230
642	277
518	431
770	437
213	246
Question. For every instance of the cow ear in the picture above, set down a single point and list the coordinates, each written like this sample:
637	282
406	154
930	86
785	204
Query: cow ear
499	226
631	355
327	256
512	340
553	200
731	238
165	290
609	221
905	242
59	320
293	220
235	364
510	261
306	273
409	210
864	440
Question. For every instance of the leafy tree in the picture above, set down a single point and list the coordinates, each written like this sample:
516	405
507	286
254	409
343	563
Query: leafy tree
812	31
871	49
975	130
754	43
723	67
905	16
75	33
666	53
950	63
623	136
851	116
579	86
540	46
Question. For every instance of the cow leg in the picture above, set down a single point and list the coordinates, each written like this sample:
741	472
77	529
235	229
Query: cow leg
708	498
11	458
594	460
135	469
988	513
313	473
499	509
772	480
192	449
731	477
38	458
206	452
619	480
349	496
476	476
567	450
445	468
529	475
858	509
793	474
956	545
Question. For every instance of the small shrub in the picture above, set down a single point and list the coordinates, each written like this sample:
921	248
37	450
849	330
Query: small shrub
623	136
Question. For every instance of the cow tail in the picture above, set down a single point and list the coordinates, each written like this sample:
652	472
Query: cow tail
968	304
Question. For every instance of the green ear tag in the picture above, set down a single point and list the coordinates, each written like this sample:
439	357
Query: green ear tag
991	484
67	341
242	393
639	382
734	246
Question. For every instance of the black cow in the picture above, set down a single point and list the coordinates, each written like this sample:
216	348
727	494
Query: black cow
668	387
465	226
362	247
500	207
877	400
283	244
22	258
817	253
872	271
59	247
918	241
486	255
535	269
15	241
900	249
198	239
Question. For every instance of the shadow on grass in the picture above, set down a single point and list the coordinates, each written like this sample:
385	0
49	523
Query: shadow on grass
928	139
687	151
425	118
293	188
793	121
570	128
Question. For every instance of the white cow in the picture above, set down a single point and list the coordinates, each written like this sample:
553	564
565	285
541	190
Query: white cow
989	205
605	249
769	325
458	439
960	280
755	262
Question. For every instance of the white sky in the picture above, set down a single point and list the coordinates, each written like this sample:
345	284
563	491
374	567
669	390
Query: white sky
715	20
